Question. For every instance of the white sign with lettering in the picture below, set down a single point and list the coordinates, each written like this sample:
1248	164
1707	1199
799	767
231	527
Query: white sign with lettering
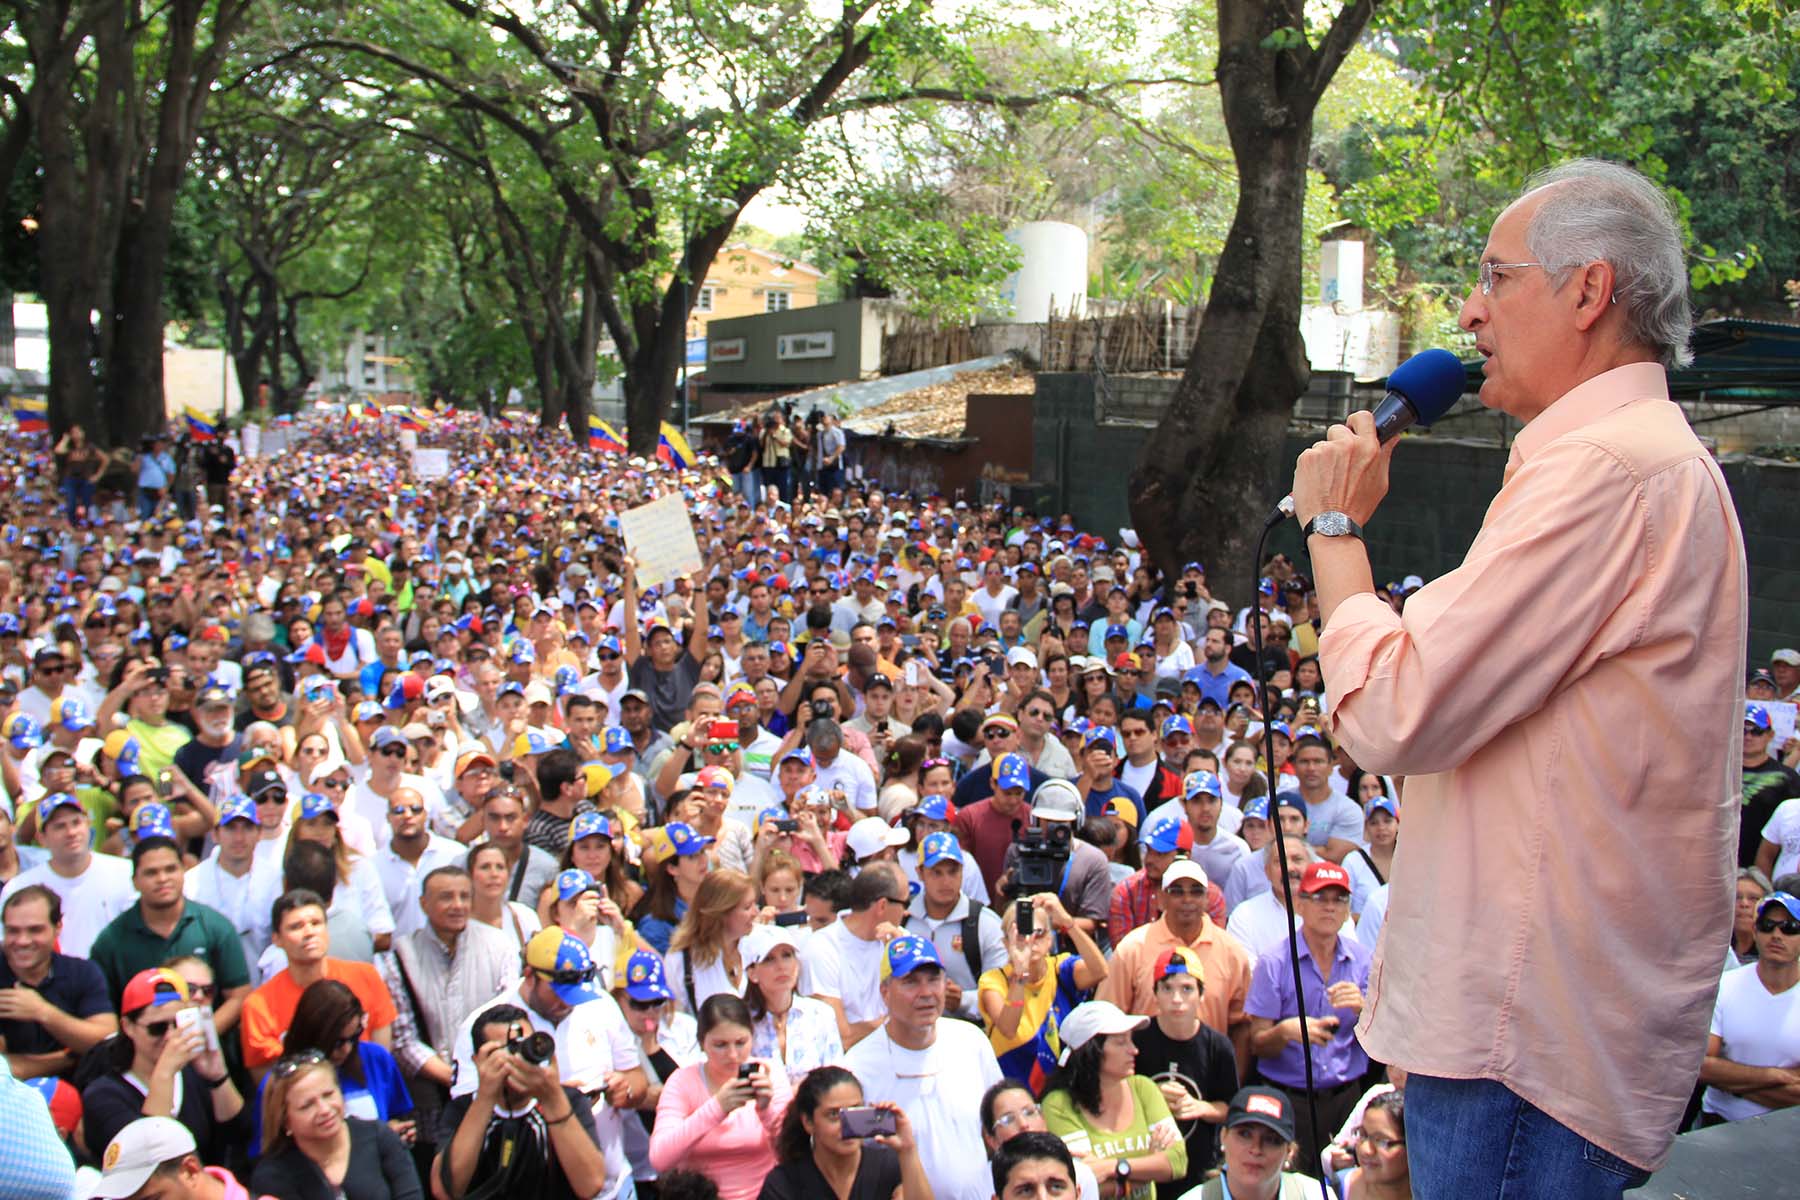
660	535
806	345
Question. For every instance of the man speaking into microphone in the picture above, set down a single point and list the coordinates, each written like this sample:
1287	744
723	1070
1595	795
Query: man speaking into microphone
1565	706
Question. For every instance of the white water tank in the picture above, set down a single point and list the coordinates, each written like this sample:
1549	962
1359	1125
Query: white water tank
1052	275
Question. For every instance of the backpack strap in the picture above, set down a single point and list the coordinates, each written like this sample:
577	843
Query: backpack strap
971	939
687	978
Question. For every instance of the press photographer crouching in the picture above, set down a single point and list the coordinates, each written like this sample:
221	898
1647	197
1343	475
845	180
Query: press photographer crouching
521	1132
1046	856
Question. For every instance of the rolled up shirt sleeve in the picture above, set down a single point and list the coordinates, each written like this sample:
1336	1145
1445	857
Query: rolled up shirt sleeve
1566	538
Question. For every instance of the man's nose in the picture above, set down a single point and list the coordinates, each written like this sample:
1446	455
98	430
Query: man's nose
1473	313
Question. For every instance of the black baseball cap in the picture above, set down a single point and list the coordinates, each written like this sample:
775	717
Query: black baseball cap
263	781
1262	1106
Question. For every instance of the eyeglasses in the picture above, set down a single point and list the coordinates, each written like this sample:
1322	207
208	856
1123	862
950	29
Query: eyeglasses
277	797
156	1029
642	1005
1184	893
392	751
336	785
52	668
1006	1121
201	991
351	1039
721	747
298	1062
1385	1145
406	810
609	657
1789	927
1486	274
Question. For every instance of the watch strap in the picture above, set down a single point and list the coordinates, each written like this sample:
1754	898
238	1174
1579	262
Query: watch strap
1355	530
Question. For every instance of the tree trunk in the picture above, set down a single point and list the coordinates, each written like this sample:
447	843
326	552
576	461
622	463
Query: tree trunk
1208	475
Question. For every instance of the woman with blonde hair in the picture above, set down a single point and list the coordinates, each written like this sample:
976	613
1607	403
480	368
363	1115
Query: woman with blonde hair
313	1151
704	958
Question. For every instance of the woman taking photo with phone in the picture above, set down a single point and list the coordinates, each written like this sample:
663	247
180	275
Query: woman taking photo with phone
1024	1002
720	1115
823	1153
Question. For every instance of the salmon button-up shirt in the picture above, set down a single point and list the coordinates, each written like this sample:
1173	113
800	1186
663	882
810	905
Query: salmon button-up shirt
1566	705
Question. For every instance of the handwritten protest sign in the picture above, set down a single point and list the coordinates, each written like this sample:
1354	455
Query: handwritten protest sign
660	535
1781	720
431	464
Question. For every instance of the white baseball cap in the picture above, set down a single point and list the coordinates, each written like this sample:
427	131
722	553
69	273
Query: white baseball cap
1021	655
1096	1018
1786	657
134	1154
872	835
1183	868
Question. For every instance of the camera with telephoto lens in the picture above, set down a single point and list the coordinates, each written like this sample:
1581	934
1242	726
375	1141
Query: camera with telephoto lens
1043	853
536	1047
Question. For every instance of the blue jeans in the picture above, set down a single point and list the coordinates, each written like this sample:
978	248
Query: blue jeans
1473	1139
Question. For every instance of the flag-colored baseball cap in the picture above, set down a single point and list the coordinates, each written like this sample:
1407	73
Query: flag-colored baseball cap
904	955
563	958
1198	782
1167	835
1011	771
152	988
644	979
940	847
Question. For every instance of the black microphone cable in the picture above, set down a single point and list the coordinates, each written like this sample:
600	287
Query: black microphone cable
1280	843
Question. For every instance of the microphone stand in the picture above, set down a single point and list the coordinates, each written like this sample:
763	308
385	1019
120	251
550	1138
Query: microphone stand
1280	843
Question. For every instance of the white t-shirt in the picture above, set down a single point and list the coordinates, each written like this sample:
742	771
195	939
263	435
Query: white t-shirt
851	773
1758	1029
1783	830
709	980
590	1042
361	802
90	900
989	606
245	902
847	969
940	1088
402	883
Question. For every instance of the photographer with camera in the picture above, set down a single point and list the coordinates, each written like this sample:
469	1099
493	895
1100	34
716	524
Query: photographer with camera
1048	857
521	1132
597	1054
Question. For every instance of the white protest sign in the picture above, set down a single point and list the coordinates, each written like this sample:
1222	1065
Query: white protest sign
409	440
1781	720
431	464
660	535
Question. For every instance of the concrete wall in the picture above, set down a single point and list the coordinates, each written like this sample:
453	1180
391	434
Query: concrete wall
1437	498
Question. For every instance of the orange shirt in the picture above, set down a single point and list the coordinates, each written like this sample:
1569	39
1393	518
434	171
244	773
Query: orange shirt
1566	707
1225	972
269	1010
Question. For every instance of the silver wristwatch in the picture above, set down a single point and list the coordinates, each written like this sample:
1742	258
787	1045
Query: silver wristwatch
1333	524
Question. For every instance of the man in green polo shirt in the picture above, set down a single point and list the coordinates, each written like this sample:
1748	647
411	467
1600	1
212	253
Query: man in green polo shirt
164	924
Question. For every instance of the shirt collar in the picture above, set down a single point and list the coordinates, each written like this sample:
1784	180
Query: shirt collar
1586	403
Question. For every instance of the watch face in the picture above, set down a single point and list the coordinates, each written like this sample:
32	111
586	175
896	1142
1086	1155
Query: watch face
1332	524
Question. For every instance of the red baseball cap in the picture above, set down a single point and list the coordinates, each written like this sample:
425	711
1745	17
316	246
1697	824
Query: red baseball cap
1321	875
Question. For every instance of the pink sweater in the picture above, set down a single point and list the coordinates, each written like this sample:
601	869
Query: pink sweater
735	1151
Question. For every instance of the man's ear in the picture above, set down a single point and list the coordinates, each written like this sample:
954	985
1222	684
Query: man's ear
1596	283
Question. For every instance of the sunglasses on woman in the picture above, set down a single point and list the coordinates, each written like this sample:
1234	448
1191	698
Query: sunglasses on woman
297	1062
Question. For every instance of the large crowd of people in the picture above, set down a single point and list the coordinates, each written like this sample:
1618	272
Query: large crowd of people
371	837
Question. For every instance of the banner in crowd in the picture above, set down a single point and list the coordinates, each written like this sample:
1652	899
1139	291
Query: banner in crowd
660	535
430	464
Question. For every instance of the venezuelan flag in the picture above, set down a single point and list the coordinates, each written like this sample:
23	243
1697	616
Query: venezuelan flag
602	436
411	418
673	449
32	413
201	427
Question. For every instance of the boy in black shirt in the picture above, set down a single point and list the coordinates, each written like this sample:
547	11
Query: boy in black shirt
1193	1064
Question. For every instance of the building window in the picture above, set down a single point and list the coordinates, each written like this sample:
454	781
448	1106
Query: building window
703	300
775	300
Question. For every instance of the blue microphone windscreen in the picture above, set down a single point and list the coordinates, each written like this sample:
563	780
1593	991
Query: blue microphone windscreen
1433	380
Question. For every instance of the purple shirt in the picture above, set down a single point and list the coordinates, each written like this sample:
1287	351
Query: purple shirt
1272	995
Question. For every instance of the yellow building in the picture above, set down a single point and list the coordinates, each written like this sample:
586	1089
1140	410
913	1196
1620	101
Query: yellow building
745	280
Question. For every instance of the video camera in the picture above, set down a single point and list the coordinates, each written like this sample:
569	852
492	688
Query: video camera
1043	853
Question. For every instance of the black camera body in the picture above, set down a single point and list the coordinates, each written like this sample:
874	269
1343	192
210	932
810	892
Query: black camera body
535	1047
1043	853
787	825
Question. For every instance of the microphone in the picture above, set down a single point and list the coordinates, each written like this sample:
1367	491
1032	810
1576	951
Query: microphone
1421	389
